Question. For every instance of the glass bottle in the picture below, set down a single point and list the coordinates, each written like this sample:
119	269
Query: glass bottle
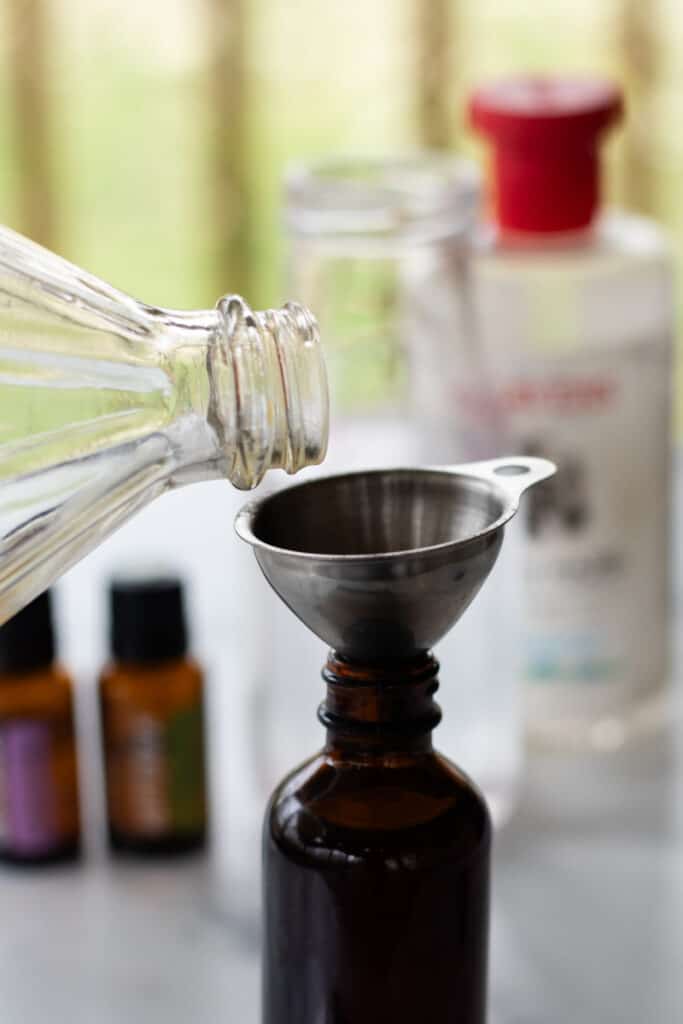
151	700
575	317
376	864
107	402
39	806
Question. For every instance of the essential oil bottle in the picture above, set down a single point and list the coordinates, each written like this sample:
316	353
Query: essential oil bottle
39	810
151	698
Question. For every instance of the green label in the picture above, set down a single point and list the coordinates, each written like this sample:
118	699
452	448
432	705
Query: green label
186	772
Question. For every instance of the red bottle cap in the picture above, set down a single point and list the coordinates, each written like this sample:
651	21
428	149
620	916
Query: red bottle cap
545	134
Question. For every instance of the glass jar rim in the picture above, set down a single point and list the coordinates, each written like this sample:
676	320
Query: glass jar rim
417	197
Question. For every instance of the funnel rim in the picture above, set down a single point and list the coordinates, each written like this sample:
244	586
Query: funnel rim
247	514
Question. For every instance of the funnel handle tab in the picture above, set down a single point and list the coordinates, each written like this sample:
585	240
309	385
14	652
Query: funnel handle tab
514	474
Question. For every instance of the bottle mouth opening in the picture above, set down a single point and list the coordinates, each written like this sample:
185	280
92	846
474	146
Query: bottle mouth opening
417	197
302	439
277	409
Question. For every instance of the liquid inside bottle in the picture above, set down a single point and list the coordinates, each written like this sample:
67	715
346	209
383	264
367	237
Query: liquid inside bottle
107	402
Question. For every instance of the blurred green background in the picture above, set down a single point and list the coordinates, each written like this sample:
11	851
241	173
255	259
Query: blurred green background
146	141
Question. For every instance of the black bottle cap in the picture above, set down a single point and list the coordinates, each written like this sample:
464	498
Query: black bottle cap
147	619
27	640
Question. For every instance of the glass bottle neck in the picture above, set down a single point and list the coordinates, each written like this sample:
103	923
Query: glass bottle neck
379	708
256	381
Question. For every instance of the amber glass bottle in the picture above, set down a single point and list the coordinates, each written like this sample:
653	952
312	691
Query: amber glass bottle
376	865
151	698
39	815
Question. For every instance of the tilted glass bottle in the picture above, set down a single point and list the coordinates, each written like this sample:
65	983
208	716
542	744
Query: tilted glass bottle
107	402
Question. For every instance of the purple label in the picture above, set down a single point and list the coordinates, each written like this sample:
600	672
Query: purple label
4	805
27	802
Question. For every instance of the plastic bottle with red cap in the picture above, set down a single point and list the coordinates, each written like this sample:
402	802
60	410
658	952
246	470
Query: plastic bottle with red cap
574	322
545	135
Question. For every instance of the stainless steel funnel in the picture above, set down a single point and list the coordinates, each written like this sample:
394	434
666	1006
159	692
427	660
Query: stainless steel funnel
382	563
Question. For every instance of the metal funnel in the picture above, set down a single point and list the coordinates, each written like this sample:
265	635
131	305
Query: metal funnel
382	563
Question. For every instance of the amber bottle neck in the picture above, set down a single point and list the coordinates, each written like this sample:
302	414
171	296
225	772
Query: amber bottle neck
384	706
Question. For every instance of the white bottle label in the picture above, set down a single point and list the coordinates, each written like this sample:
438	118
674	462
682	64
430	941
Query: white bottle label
596	573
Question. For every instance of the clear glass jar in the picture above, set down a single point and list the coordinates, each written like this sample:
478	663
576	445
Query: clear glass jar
365	238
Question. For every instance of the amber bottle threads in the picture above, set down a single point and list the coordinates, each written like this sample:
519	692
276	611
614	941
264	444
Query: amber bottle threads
376	865
39	813
151	699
